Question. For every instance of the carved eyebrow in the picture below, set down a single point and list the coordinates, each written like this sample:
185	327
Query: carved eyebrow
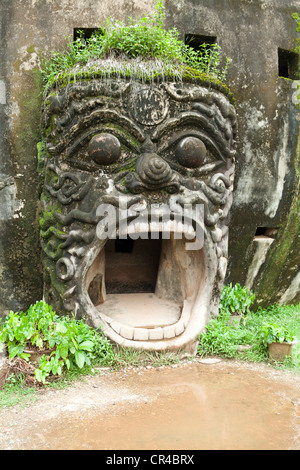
107	115
96	118
183	119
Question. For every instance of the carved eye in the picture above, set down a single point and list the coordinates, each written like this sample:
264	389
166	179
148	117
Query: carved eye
104	149
190	152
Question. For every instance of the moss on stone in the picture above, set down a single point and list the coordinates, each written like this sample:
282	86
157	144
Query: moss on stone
58	285
186	74
21	245
30	49
47	219
283	250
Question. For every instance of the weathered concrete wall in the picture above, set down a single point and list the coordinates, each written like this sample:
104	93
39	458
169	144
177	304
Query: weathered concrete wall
30	28
250	32
267	171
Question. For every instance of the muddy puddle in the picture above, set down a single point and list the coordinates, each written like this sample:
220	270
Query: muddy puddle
197	406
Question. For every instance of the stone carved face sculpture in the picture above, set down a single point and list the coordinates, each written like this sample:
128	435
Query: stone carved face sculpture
137	192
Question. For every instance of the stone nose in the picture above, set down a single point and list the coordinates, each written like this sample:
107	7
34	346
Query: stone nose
153	170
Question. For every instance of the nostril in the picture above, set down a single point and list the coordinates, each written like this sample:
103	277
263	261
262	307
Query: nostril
153	170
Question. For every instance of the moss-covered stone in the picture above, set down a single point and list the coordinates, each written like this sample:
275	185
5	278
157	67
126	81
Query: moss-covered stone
284	252
186	74
20	236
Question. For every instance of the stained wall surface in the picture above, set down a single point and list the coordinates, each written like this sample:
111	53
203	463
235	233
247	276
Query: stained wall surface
264	242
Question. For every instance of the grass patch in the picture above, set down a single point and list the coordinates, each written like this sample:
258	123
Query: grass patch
229	340
15	392
139	358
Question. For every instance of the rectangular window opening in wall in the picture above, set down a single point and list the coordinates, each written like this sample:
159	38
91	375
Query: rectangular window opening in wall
287	63
268	232
86	33
196	41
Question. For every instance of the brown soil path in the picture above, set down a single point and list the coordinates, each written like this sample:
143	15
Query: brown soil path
201	405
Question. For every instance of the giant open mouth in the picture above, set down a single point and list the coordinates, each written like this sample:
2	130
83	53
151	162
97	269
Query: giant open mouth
150	292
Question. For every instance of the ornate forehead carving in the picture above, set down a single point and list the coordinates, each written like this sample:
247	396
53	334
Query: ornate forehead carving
134	111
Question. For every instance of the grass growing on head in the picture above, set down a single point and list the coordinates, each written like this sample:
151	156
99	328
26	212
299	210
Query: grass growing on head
126	42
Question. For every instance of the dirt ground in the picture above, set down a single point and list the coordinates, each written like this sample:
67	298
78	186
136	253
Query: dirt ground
209	404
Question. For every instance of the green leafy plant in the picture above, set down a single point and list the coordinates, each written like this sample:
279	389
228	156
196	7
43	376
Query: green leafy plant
63	342
275	333
147	39
236	299
249	340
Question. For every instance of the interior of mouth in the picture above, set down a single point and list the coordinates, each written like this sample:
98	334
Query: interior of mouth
143	284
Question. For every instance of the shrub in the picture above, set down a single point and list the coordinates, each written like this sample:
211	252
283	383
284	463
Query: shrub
236	299
275	333
63	342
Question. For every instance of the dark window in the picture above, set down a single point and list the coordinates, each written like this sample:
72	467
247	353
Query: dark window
85	32
287	63
195	41
269	232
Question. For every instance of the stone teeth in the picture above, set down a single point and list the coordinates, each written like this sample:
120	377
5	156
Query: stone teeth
106	319
140	334
152	334
140	227
179	328
179	227
116	326
127	331
145	334
169	332
156	333
169	226
132	229
154	227
190	230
